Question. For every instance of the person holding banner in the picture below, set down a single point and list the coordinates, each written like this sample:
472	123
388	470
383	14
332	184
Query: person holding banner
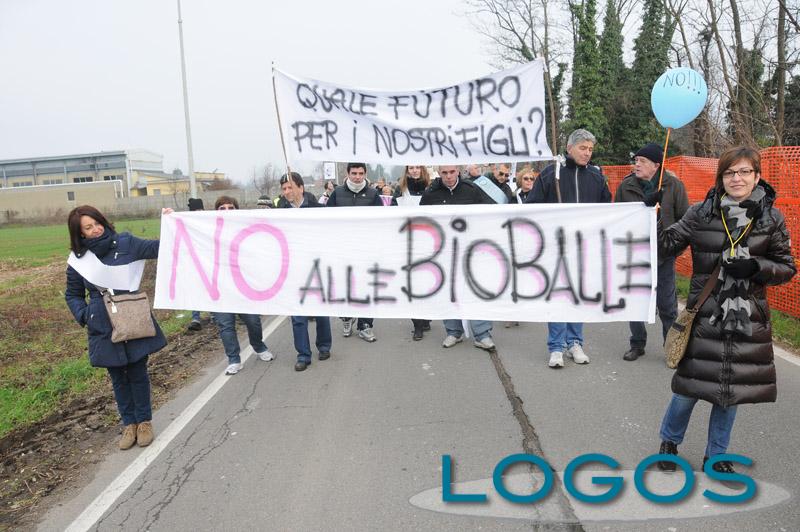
226	321
413	182
96	247
301	196
578	182
329	187
293	189
450	189
500	179
641	185
356	192
728	361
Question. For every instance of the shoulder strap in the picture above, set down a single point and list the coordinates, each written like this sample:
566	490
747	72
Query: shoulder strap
710	284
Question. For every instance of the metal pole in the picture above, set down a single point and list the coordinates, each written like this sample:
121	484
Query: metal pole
192	183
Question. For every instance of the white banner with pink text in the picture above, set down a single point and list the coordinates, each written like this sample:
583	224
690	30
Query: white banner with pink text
569	262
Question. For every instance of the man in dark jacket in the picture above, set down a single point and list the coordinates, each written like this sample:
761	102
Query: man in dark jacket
578	182
449	189
500	179
296	197
356	192
642	185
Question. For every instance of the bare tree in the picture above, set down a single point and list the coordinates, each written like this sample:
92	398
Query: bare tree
268	182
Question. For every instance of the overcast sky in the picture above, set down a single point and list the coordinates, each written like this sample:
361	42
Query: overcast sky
99	75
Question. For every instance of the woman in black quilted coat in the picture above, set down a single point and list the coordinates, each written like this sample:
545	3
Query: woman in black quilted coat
729	358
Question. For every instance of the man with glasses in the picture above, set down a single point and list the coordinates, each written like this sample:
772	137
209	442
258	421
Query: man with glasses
226	321
500	178
642	185
356	192
294	193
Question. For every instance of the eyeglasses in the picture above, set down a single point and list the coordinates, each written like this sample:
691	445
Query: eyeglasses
226	208
744	172
503	174
527	179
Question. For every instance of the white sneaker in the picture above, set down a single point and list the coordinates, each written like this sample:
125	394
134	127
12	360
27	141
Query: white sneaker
347	327
367	334
266	356
233	369
556	359
451	340
575	352
486	343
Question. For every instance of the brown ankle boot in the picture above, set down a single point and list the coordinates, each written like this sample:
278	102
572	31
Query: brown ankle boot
144	434
128	437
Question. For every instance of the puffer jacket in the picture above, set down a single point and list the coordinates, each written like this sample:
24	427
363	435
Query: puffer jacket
464	193
103	353
729	369
343	196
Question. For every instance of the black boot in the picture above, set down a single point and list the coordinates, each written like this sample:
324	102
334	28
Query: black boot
417	330
667	447
633	353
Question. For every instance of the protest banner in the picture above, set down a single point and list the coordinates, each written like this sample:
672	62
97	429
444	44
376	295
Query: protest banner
570	262
497	117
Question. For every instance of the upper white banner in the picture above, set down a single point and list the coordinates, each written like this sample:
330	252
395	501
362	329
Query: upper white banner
570	262
499	117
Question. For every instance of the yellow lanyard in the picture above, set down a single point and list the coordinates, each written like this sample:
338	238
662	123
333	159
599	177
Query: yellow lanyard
727	232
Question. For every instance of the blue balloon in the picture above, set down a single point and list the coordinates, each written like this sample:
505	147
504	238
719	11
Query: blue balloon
678	96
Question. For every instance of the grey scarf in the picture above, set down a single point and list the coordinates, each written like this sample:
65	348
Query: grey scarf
356	188
733	305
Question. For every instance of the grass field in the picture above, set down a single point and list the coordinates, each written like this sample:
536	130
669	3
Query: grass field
40	245
43	360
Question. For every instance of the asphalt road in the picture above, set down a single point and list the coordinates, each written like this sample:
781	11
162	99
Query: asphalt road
356	442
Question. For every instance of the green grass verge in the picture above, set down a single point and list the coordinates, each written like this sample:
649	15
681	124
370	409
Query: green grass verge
784	327
28	246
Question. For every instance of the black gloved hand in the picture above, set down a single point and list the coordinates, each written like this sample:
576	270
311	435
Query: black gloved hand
653	197
754	209
741	268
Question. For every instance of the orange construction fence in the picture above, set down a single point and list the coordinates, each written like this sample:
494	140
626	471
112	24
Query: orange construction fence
780	167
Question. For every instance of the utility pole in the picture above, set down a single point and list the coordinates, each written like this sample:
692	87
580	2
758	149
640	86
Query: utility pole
192	182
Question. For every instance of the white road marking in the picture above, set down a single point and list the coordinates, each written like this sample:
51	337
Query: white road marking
103	502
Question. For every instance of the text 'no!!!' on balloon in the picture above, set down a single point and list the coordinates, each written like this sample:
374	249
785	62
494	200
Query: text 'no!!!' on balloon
678	96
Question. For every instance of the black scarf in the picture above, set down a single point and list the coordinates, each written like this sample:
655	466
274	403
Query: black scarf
100	245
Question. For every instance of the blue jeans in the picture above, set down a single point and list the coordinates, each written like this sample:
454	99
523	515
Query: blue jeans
720	423
230	340
195	315
301	342
131	385
666	304
560	336
480	328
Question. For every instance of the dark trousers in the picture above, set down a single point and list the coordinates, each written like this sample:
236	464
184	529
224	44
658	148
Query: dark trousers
131	385
301	341
666	304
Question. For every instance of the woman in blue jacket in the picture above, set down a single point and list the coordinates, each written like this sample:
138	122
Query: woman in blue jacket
92	234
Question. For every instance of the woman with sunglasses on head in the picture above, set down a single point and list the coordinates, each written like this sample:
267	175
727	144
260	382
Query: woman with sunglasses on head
95	246
729	357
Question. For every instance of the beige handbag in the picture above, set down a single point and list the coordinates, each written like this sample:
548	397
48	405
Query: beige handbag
129	315
681	330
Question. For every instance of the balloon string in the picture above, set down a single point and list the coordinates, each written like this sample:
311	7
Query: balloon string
664	159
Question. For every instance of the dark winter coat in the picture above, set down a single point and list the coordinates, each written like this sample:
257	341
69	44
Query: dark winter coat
103	353
578	184
674	202
504	187
415	188
310	201
342	196
720	368
465	193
